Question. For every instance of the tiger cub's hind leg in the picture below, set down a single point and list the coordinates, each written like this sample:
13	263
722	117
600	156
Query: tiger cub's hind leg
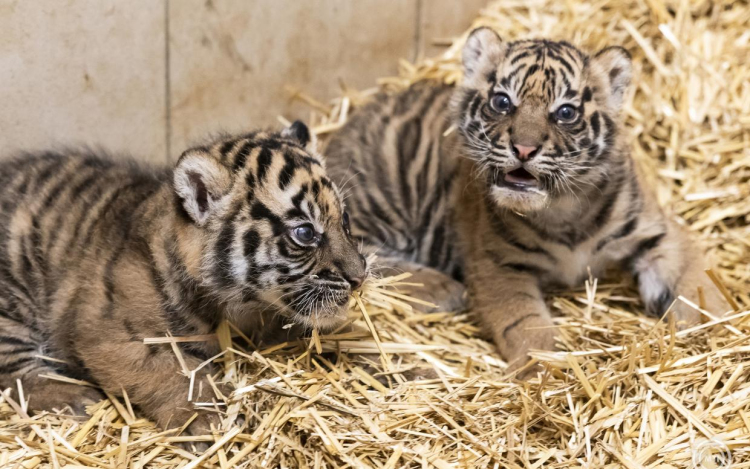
436	287
19	360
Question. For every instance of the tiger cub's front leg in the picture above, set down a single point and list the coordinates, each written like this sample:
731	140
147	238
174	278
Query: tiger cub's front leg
668	265
511	307
154	382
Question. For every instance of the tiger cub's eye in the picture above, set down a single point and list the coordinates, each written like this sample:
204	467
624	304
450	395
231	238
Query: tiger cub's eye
500	102
304	234
566	113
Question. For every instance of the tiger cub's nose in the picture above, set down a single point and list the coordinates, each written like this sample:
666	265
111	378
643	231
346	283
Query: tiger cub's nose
356	281
524	152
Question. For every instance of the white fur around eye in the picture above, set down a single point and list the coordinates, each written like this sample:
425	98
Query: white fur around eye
562	100
239	265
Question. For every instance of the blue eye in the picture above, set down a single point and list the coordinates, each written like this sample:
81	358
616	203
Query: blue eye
500	102
566	113
304	234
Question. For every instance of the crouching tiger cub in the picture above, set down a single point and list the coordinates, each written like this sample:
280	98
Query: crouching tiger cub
97	254
518	180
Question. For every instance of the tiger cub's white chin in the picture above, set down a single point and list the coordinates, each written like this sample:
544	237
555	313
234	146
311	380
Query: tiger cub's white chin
522	201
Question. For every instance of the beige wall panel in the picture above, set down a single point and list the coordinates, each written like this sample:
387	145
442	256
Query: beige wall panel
231	61
443	20
83	71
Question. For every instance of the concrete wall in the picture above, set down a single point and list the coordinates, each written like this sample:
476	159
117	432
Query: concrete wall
148	77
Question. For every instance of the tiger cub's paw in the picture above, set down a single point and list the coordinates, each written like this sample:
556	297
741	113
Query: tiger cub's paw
61	395
203	425
437	288
517	354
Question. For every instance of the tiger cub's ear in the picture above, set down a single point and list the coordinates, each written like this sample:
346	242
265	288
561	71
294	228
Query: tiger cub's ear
299	132
616	67
481	53
201	182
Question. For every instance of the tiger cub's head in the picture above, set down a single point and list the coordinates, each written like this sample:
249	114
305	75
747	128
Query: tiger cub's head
271	225
540	118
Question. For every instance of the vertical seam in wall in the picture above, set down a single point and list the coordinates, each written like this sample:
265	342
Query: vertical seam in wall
167	87
418	32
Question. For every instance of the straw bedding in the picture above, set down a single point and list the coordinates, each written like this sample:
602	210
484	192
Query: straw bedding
622	391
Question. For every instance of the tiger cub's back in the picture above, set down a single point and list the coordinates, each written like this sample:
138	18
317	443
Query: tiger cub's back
53	209
394	162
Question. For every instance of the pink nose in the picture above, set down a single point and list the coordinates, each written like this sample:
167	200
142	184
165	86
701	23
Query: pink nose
524	152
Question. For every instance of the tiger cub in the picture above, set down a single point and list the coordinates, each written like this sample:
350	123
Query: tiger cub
97	254
518	180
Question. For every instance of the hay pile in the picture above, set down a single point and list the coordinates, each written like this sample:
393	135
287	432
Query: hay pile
622	392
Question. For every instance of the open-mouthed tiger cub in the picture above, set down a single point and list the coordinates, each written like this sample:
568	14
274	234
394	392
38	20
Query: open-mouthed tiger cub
97	254
518	180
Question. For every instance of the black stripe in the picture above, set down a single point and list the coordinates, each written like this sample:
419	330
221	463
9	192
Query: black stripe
532	70
510	76
56	189
223	252
475	105
300	196
16	350
93	217
12	367
6	339
517	322
287	171
48	171
595	126
241	157
75	193
624	231
520	56
408	143
251	242
378	211
325	182
259	212
524	268
226	148
605	210
503	232
264	162
528	249
438	245
175	322
567	66
466	99
586	94
20	292
515	266
642	248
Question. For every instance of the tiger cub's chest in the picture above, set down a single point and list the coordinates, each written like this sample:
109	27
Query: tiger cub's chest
570	267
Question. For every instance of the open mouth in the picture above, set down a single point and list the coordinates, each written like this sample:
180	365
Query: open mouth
518	179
